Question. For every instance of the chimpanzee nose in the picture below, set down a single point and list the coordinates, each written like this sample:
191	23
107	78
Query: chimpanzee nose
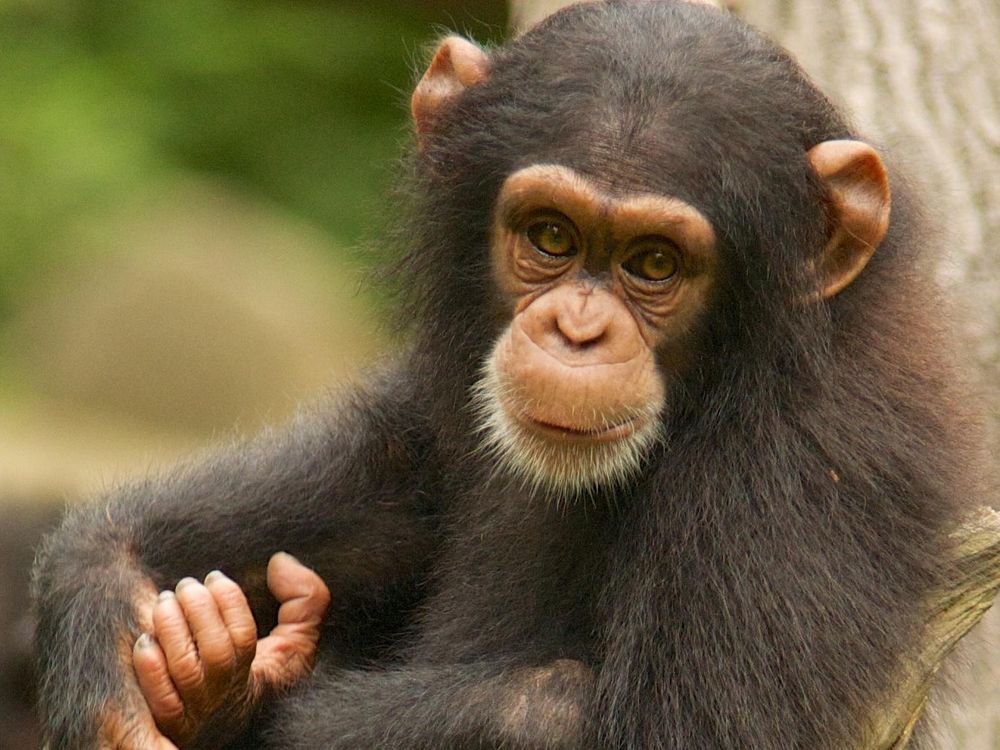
581	325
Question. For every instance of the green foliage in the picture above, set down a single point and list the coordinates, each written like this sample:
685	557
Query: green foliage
301	104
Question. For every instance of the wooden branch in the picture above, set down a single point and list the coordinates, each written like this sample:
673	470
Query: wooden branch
951	614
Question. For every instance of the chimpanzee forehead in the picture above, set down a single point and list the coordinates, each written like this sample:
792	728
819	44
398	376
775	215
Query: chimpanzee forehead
657	97
673	151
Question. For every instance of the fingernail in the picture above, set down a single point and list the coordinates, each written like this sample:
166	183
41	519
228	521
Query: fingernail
144	641
165	595
215	575
290	557
184	582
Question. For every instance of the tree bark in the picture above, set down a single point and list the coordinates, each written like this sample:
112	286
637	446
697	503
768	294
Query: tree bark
922	79
951	614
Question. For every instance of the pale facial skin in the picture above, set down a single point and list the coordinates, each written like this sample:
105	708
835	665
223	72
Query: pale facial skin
596	282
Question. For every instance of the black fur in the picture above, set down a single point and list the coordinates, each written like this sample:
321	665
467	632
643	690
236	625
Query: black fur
753	588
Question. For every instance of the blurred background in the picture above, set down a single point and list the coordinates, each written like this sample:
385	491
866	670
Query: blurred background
185	186
187	191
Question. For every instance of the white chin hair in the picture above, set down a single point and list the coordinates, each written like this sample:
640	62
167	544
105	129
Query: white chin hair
557	469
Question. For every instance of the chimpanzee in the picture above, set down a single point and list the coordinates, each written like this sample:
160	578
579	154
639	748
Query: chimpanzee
670	461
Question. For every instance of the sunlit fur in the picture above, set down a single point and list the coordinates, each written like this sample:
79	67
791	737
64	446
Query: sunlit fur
559	470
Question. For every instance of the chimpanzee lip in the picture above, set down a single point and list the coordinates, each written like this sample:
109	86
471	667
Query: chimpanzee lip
562	432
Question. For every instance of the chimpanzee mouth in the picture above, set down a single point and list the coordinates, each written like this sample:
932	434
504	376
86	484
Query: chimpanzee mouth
558	460
617	431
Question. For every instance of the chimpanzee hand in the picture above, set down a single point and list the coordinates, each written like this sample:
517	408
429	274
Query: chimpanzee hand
202	670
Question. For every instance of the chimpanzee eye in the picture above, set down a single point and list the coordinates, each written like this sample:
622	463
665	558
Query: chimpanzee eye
655	261
552	237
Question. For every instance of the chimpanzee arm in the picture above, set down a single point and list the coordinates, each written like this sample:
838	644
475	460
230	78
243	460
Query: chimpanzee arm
467	706
343	493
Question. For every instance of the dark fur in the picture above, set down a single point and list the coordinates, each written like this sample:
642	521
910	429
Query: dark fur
24	523
753	588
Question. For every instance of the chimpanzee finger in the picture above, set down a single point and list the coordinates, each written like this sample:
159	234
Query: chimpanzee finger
236	614
287	654
153	676
303	595
211	637
174	637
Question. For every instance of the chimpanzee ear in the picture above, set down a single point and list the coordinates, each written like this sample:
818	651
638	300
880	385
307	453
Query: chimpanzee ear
857	188
458	64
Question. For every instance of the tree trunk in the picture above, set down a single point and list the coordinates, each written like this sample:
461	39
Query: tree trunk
922	79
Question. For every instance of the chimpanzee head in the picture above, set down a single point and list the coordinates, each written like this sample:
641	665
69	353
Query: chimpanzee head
629	196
